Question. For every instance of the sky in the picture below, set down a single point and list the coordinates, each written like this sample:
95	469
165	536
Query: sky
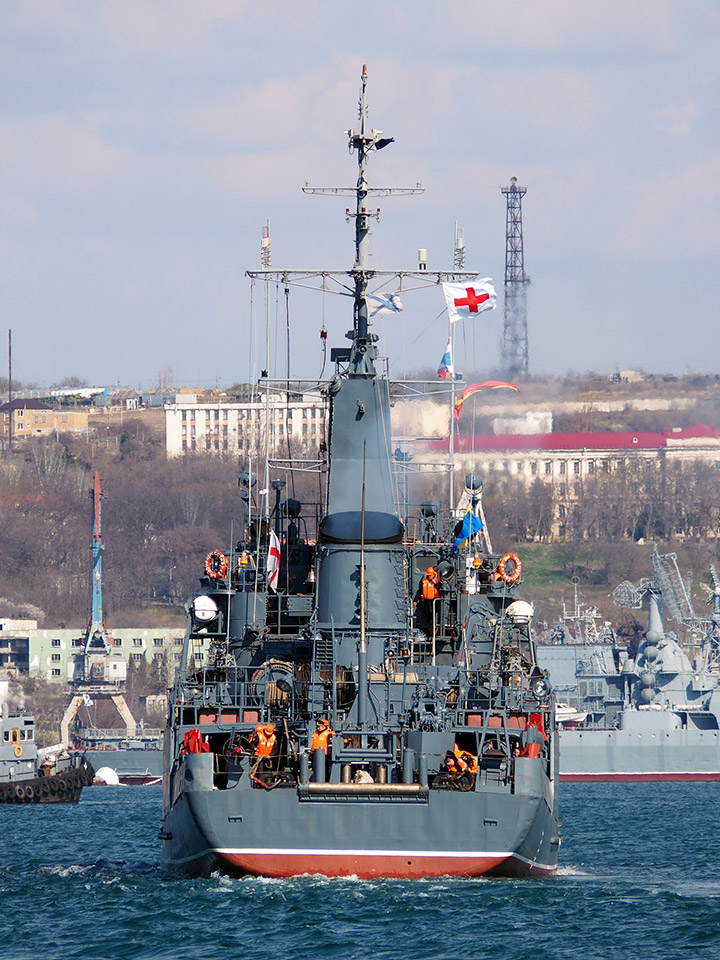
145	143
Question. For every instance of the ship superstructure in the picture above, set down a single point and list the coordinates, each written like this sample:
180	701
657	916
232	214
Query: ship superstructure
354	713
649	711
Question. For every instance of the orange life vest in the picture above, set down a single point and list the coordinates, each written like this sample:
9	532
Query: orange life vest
429	589
265	743
465	760
320	739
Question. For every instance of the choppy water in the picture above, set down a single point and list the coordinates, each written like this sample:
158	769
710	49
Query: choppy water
639	878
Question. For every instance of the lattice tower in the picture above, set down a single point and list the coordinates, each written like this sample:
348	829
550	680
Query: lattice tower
514	358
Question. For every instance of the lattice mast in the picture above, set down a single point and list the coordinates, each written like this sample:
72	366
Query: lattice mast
514	359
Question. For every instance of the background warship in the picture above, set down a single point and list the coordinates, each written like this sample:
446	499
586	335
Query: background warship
648	711
434	750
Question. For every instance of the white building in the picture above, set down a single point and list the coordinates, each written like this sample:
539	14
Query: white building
231	428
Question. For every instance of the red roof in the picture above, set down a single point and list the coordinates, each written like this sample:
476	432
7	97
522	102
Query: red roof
570	441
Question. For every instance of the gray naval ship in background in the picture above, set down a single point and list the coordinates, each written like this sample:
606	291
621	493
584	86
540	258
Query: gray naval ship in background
645	710
443	755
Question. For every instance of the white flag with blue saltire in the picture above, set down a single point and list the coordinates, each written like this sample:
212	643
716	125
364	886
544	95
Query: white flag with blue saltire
379	305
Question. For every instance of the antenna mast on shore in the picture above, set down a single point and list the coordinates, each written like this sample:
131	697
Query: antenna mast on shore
514	358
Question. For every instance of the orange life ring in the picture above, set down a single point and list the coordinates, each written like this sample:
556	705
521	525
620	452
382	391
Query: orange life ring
18	751
216	565
513	577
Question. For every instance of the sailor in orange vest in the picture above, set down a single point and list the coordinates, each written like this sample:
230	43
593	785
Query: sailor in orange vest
322	735
265	741
459	761
425	598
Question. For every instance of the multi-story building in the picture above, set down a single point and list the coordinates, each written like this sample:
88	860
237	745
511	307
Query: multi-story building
25	649
32	418
566	460
229	427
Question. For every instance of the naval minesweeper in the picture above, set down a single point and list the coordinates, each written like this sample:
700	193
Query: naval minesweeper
352	700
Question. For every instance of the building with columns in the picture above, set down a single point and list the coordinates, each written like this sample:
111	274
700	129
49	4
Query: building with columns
239	428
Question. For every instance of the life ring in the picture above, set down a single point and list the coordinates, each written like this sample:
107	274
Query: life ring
18	750
216	565
513	577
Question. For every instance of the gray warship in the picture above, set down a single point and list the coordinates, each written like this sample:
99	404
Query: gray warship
32	774
434	747
649	711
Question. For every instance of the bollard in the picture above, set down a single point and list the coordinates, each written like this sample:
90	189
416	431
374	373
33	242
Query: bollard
408	767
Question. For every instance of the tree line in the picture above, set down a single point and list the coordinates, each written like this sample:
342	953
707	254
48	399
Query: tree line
161	518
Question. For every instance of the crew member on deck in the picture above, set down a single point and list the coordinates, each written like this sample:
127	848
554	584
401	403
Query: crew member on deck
322	735
265	741
428	593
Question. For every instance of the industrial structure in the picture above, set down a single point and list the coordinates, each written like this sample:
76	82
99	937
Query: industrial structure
514	357
99	672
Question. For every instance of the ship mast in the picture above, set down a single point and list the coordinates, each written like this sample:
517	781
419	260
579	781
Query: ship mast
363	354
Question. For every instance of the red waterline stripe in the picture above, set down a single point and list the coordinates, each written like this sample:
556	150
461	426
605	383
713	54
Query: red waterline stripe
631	777
367	867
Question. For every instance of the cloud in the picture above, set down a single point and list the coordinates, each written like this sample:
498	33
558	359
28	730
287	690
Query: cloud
675	217
678	119
53	149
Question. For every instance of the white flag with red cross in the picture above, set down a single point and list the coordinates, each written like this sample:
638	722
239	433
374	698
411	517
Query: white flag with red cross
468	299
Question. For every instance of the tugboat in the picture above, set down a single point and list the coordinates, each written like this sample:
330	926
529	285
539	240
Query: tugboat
29	774
359	702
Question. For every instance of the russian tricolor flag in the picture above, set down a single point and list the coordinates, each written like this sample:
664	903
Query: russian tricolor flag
446	370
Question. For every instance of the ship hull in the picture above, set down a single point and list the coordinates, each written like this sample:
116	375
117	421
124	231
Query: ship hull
65	787
632	755
286	833
133	767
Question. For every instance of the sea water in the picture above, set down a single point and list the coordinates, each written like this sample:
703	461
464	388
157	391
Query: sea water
639	878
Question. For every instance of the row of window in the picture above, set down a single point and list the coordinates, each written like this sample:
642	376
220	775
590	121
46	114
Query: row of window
114	642
20	735
574	466
307	413
280	430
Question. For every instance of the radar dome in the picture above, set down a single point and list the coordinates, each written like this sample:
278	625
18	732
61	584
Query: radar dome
647	695
520	611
